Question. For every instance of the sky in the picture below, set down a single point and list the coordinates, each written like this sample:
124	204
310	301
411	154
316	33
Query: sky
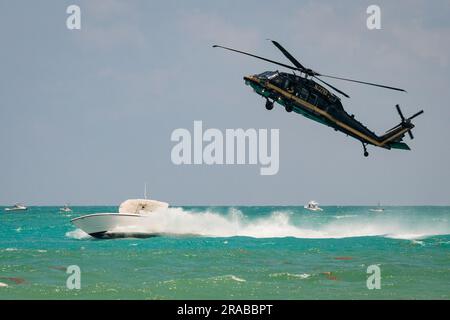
87	115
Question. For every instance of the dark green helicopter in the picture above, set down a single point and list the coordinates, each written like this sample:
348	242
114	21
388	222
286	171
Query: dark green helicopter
303	95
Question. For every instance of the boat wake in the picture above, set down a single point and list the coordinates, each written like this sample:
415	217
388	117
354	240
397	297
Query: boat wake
77	234
177	221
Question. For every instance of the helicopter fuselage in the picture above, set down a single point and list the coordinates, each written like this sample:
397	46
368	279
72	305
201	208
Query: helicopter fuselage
310	99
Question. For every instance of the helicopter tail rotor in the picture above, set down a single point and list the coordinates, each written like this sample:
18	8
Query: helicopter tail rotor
406	122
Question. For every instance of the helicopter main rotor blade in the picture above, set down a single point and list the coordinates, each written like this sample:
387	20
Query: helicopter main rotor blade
334	88
307	71
363	82
311	72
289	56
258	57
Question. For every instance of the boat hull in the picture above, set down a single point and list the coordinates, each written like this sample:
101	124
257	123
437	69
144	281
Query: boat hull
313	209
114	225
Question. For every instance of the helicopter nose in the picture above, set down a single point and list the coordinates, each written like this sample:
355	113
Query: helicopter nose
250	79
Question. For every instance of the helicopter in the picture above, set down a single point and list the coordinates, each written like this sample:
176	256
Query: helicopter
303	94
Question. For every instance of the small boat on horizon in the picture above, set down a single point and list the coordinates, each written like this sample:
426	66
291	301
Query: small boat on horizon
313	206
17	207
66	208
379	208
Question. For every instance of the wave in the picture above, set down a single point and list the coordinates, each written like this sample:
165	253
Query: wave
288	275
345	216
228	277
177	221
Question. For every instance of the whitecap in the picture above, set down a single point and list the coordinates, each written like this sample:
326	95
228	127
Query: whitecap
229	277
290	275
345	216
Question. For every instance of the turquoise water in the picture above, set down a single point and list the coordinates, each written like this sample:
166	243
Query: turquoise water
232	253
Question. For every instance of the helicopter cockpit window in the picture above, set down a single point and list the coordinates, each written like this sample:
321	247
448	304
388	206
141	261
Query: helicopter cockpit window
276	79
268	74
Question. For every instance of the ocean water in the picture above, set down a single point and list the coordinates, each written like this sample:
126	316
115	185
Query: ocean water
232	253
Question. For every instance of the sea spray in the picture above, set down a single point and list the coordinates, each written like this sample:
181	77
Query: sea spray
280	223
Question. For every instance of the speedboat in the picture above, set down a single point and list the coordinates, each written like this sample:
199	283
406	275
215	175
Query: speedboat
130	222
17	207
66	208
313	206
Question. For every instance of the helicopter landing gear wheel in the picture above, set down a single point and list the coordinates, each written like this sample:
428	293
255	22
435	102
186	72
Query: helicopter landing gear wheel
289	108
366	154
269	104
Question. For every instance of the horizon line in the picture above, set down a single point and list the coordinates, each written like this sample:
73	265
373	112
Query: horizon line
237	205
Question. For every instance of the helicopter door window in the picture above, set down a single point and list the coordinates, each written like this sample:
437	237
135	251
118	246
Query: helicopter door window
288	86
304	94
313	99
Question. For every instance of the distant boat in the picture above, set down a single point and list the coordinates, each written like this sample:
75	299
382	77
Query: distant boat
313	206
17	207
377	209
66	208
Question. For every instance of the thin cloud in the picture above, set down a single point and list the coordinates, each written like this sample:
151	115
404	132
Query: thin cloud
111	24
209	27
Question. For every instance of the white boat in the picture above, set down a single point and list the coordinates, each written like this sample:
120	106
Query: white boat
66	208
17	207
130	222
377	209
313	206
